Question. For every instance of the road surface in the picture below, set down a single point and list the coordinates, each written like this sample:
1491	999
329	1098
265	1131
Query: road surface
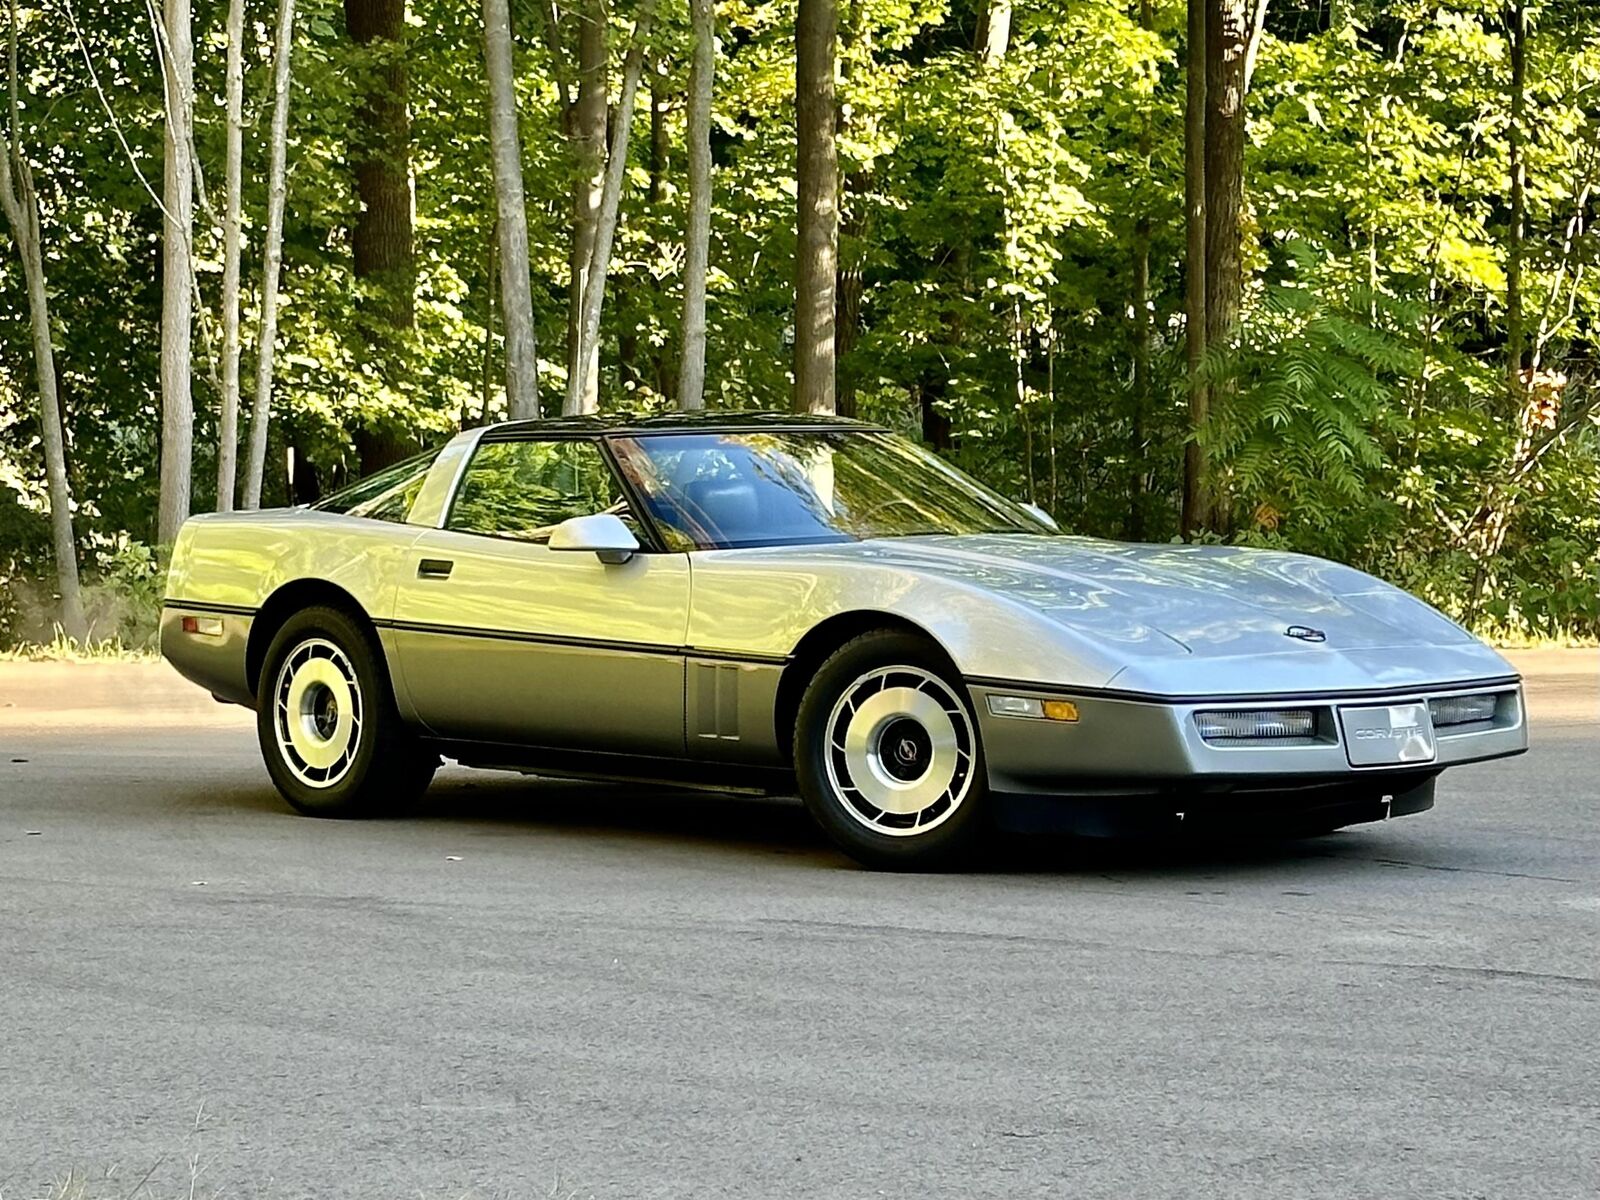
535	989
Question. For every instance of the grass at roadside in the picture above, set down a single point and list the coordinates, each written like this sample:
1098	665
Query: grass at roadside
64	649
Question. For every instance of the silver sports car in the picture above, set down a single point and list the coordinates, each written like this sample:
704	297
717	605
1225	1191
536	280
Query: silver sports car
762	601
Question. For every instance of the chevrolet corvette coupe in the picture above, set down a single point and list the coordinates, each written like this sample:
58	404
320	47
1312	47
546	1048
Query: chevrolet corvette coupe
765	602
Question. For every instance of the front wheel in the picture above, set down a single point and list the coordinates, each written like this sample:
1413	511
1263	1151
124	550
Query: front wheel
888	757
326	720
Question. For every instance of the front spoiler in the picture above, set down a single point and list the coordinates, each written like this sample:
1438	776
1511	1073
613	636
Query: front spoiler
1315	808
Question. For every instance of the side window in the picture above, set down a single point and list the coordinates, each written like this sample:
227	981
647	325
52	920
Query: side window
386	495
523	490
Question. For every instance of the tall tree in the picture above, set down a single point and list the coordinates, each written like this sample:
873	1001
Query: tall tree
271	253
228	425
20	201
817	218
994	32
697	242
586	382
1516	17
383	240
1141	317
177	296
1196	485
516	296
587	131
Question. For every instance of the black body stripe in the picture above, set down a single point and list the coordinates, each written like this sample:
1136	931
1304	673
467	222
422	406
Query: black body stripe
550	639
232	610
1018	685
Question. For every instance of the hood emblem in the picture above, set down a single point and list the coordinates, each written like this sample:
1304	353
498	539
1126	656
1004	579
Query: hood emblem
1305	633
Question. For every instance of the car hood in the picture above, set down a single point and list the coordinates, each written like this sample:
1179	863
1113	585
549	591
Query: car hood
1180	607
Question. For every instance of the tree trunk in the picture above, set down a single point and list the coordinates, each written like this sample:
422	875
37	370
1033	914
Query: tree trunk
492	275
994	32
850	283
516	297
1227	39
385	255
847	299
817	225
272	254
697	241
1141	326
177	300
21	205
228	425
1227	51
586	382
1141	372
1196	486
663	382
1517	31
588	132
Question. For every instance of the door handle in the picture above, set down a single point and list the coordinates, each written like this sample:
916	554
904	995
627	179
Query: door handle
435	568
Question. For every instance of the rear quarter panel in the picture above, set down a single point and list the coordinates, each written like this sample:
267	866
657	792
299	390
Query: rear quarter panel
227	566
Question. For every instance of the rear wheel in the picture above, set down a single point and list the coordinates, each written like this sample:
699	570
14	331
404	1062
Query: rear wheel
888	757
326	720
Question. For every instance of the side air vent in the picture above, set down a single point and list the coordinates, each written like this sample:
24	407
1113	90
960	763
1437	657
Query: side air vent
716	700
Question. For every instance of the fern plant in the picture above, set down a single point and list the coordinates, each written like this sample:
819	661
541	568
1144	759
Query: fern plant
1303	409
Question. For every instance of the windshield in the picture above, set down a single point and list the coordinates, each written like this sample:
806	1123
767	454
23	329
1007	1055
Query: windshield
728	490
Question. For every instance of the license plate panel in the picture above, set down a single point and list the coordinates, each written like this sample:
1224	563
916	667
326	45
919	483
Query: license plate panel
1388	734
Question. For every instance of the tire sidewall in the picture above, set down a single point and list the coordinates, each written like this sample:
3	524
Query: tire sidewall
348	797
947	844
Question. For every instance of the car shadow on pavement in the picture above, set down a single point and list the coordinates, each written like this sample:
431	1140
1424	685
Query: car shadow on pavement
773	822
737	824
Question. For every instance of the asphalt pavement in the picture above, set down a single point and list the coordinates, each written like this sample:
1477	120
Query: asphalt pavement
534	989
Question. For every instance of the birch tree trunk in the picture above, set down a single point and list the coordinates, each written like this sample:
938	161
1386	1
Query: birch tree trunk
21	204
697	241
994	32
516	297
177	301
588	132
272	254
817	218
1517	34
1196	497
586	383
228	425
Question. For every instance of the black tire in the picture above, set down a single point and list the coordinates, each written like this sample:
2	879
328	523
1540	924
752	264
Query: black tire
380	768
891	744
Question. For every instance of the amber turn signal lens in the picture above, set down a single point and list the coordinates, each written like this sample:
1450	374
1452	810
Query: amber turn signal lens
1029	706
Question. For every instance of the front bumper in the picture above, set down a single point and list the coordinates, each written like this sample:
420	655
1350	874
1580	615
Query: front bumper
1132	747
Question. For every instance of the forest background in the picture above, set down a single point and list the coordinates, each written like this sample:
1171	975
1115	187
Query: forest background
1312	274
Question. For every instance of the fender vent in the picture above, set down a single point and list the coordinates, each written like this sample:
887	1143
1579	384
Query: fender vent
716	700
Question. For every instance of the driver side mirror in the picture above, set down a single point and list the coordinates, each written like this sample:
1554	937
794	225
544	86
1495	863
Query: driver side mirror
1035	511
603	535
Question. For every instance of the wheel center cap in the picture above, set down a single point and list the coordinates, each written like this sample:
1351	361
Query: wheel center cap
325	714
905	749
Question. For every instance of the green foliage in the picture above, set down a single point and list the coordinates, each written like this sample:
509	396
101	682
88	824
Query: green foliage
994	216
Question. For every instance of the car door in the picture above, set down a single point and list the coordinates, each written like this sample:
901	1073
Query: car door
500	638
